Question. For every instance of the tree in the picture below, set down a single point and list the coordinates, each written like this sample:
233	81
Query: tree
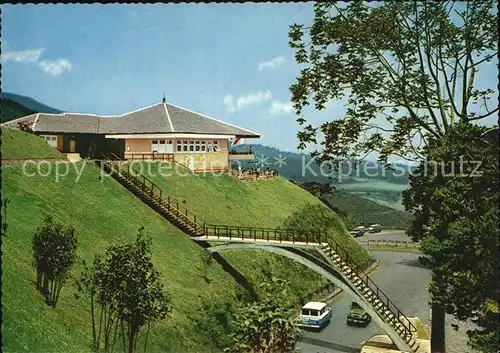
126	294
410	66
265	326
54	253
454	196
407	71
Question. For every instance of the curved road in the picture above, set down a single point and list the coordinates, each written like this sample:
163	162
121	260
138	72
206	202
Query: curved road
404	280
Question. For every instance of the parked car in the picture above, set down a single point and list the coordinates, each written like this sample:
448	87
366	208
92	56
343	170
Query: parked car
358	231
375	228
358	316
316	315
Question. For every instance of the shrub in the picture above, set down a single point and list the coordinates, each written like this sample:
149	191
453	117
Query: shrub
54	252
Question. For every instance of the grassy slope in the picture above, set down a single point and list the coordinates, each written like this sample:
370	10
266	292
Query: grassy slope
104	212
221	199
22	145
365	212
101	213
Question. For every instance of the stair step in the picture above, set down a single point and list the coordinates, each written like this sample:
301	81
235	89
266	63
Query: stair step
193	230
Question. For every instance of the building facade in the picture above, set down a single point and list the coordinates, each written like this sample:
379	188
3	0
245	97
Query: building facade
158	132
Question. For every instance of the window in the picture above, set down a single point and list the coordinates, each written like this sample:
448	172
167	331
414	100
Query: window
197	146
50	139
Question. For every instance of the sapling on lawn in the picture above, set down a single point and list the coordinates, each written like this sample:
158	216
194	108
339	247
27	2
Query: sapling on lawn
126	294
54	253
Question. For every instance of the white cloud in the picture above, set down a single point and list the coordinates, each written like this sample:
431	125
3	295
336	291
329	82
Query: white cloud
23	56
55	67
271	64
281	108
252	98
242	101
51	67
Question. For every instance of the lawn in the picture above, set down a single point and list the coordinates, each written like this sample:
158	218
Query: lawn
22	145
103	213
223	199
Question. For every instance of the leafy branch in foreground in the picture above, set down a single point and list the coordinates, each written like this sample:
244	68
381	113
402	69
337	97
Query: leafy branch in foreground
407	71
265	326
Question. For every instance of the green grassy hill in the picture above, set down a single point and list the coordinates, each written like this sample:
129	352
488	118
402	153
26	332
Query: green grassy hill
222	199
359	210
102	213
22	145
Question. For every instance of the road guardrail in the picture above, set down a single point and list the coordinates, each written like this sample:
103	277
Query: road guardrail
390	243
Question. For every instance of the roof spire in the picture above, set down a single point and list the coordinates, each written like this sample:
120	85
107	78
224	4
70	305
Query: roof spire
164	100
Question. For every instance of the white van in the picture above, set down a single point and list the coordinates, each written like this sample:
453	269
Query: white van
315	315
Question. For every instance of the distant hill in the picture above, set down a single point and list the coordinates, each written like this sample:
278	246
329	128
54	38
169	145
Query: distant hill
11	110
358	210
299	168
30	103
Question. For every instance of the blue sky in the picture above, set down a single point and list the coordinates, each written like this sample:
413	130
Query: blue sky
205	57
229	61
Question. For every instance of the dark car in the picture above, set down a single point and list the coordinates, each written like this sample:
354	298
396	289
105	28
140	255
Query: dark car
358	231
375	228
358	316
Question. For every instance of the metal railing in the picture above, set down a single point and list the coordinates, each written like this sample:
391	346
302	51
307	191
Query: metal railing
165	157
390	243
268	234
376	292
153	191
279	234
176	209
236	153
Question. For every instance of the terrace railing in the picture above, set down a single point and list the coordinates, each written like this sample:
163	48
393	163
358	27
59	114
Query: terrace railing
153	193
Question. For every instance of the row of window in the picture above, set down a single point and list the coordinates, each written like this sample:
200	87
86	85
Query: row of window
197	146
166	146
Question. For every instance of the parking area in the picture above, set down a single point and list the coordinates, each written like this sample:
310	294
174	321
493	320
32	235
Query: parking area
385	235
404	280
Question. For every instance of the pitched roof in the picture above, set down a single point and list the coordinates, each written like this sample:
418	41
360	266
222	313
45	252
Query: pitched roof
159	118
147	120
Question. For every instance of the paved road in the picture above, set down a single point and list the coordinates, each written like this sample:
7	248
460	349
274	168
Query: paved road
402	278
385	235
392	277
